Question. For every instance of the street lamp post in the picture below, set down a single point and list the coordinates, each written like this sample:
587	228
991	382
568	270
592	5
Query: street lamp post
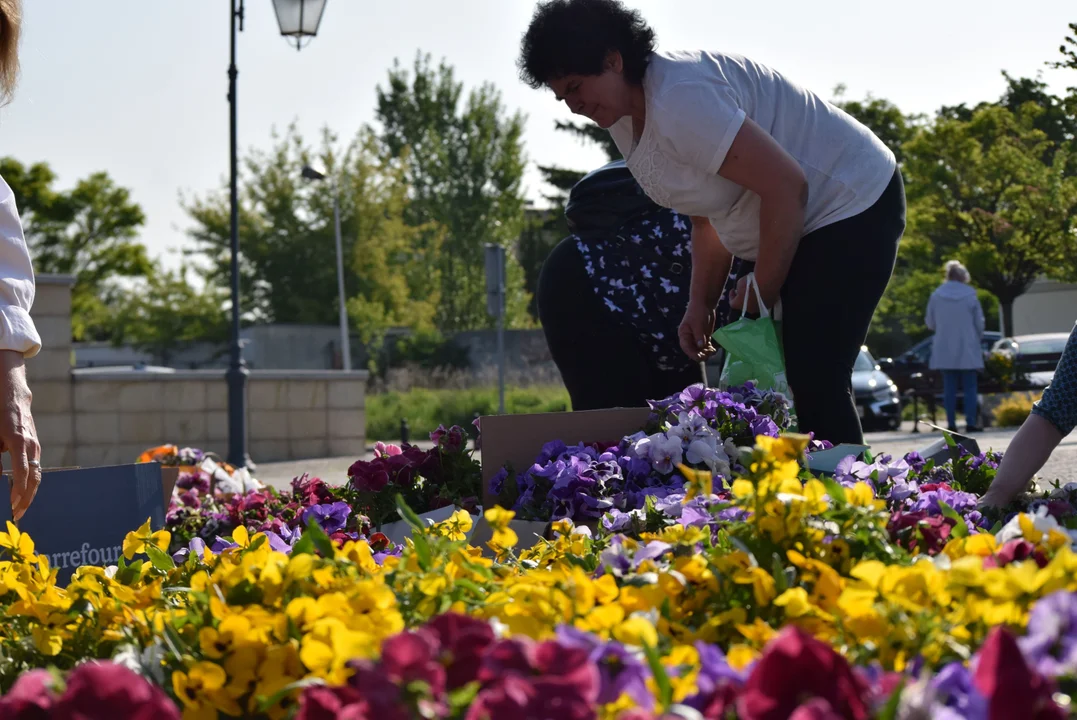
345	339
298	20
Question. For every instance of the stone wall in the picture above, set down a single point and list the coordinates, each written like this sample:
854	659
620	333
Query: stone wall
49	372
93	417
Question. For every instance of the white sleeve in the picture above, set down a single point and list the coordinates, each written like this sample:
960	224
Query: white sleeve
699	120
17	331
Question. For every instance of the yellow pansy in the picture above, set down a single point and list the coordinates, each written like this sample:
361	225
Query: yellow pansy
198	689
19	544
741	656
499	517
796	603
137	541
220	641
456	527
762	583
636	630
862	495
700	482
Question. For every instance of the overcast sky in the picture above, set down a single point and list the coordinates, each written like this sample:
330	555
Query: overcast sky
138	87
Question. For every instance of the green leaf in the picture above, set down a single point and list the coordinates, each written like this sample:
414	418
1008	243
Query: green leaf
245	593
469	586
661	679
422	550
160	559
778	571
950	442
890	710
265	703
462	697
960	528
408	514
834	489
321	541
304	545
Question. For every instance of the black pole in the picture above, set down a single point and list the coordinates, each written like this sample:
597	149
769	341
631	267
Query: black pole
237	369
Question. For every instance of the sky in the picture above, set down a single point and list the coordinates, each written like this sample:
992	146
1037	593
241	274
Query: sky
138	87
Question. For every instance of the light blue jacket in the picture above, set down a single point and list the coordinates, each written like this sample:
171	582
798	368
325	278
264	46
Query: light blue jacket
955	316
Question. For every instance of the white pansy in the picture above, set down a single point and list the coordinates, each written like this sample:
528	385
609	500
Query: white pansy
665	452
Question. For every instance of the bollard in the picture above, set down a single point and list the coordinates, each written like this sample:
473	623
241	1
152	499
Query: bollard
915	413
404	431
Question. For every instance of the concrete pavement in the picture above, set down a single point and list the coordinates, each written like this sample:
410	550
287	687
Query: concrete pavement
1062	465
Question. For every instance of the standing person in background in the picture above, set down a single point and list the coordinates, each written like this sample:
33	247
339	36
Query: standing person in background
18	336
955	316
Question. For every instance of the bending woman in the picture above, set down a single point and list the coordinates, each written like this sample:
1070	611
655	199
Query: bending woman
768	172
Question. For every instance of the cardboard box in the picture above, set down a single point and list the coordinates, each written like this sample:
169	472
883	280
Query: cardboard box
825	462
400	530
529	532
82	515
516	440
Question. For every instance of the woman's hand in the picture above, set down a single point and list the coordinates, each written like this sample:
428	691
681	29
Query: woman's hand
696	330
740	295
18	436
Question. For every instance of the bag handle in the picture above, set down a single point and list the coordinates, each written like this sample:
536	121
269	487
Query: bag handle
752	284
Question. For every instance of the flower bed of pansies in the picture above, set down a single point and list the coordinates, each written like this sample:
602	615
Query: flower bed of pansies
693	583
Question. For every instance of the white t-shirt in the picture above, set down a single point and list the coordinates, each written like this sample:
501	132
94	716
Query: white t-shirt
696	104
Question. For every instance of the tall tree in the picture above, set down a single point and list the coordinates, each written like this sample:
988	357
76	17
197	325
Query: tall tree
465	162
1068	48
883	118
89	231
164	312
287	244
985	191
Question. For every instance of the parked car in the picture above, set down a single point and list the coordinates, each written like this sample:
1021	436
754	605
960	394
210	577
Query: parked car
1035	357
911	370
877	398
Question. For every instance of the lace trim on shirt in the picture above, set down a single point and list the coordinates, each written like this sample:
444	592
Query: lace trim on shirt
648	166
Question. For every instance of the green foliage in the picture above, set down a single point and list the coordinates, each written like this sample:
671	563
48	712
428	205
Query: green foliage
426	409
883	118
1014	410
464	162
164	312
288	261
427	349
1068	50
990	185
89	232
983	192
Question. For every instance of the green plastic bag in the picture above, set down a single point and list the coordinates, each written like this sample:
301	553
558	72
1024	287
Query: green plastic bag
753	350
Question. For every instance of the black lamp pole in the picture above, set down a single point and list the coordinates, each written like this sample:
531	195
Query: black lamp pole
298	20
237	369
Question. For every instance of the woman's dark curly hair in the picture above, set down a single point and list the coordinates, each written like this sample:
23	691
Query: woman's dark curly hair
573	37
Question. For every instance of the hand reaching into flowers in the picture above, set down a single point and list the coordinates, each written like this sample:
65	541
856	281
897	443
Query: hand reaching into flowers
695	331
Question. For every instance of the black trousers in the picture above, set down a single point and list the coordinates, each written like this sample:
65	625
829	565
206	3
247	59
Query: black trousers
602	362
838	276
